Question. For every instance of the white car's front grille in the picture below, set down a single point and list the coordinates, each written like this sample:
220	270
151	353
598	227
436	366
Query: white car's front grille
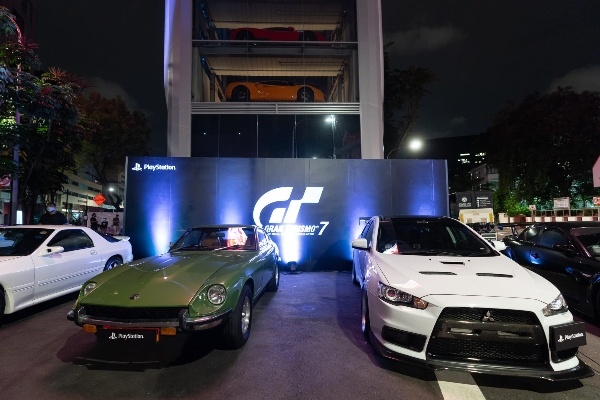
511	337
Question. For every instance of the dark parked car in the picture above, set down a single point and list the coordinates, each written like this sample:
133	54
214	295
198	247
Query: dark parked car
565	253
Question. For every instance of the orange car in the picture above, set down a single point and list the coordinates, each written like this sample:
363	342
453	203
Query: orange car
272	91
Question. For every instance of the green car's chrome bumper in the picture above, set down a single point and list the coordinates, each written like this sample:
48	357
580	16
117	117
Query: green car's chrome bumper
184	322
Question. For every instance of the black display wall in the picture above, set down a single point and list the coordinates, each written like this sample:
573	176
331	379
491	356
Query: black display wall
311	207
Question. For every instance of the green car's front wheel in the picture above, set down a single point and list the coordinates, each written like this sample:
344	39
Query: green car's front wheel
236	330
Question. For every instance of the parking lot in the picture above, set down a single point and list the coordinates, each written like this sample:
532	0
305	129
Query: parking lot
306	343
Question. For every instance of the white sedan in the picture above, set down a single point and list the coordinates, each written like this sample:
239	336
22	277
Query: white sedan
41	262
436	294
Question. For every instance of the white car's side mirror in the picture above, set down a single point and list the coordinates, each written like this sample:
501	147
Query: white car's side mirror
360	244
51	250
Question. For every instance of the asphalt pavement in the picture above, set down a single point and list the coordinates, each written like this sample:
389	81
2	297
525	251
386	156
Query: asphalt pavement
305	343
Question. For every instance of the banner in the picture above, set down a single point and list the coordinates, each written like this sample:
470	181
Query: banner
311	208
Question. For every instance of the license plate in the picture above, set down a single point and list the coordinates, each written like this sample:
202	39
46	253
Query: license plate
128	335
567	336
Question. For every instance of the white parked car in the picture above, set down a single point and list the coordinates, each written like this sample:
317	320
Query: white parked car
435	293
41	262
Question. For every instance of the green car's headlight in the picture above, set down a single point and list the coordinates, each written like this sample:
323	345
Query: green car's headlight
216	294
398	297
89	288
556	306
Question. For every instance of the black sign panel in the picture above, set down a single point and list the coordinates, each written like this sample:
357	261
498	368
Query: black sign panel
130	336
567	336
472	200
483	199
310	207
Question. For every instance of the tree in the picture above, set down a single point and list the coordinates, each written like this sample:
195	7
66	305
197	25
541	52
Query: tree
546	146
38	119
403	91
113	132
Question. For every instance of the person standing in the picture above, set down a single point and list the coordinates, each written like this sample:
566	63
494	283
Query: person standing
94	222
116	225
103	225
53	216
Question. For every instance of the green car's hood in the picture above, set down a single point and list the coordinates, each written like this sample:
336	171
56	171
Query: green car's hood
168	280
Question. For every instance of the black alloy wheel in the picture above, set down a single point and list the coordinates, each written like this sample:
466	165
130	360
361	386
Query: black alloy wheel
309	36
244	35
240	94
2	305
305	95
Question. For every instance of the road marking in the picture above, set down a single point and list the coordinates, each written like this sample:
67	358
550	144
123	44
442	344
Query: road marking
456	385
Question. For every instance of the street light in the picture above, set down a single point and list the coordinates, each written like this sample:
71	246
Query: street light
333	121
414	145
14	189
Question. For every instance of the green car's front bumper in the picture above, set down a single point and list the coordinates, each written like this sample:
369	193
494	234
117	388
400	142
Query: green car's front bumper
146	318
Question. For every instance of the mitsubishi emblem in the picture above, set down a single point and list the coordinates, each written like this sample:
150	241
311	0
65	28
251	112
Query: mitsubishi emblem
487	317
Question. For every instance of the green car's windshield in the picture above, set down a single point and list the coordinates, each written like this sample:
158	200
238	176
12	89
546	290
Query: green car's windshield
21	241
217	238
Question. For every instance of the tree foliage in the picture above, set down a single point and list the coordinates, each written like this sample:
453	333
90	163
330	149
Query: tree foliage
113	132
545	147
403	92
38	118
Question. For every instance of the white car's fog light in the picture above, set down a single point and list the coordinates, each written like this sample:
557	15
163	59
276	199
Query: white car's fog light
556	306
396	296
216	294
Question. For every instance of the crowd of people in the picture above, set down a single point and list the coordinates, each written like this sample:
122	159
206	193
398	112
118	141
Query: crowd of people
52	216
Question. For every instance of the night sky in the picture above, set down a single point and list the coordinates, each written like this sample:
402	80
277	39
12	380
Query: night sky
485	53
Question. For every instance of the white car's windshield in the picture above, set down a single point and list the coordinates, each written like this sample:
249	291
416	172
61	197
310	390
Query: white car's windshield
21	241
429	237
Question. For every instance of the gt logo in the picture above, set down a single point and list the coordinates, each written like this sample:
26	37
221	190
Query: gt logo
285	215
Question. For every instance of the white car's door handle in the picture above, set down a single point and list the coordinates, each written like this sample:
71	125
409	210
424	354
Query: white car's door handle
93	252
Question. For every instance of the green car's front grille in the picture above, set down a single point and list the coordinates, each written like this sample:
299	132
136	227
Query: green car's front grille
132	313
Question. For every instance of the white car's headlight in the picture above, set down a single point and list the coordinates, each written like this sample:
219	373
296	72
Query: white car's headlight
89	288
216	294
398	297
556	306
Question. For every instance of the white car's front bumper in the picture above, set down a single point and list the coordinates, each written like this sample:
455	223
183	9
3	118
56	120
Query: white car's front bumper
513	339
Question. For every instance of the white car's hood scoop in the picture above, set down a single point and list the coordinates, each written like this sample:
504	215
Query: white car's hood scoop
469	276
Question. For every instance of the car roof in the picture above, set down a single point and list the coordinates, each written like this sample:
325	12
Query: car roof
44	226
224	226
420	217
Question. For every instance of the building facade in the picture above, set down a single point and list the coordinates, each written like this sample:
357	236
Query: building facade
274	79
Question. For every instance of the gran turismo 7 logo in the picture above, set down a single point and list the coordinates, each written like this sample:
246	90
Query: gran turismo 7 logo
283	219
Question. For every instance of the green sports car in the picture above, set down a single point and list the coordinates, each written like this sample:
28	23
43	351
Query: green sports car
210	278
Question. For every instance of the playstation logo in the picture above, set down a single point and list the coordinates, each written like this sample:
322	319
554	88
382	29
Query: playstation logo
137	167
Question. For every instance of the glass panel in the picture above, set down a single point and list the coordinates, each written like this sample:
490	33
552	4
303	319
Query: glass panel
276	136
238	133
307	47
205	136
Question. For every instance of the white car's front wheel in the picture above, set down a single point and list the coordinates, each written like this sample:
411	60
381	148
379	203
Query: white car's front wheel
365	322
354	280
